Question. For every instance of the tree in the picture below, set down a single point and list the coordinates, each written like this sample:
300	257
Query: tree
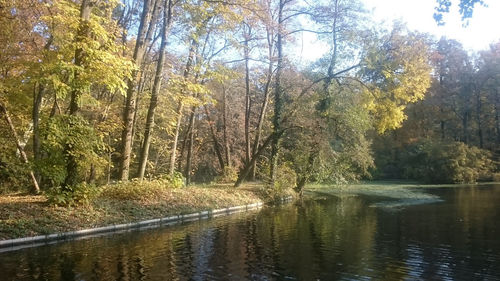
130	106
19	49
167	21
395	73
488	98
217	90
278	93
89	54
459	107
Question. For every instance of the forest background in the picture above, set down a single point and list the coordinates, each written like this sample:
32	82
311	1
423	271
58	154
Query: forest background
95	92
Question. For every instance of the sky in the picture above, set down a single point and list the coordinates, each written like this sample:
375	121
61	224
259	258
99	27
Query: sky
482	30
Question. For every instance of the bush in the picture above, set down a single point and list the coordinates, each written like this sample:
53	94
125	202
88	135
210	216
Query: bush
142	190
440	162
285	181
229	175
285	177
75	195
495	177
13	174
175	180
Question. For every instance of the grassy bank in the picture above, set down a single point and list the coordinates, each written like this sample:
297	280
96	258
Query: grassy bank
26	215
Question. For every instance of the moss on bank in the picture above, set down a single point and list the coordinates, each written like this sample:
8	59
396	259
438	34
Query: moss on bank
23	215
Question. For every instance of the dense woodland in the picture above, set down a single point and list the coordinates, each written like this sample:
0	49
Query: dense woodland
100	91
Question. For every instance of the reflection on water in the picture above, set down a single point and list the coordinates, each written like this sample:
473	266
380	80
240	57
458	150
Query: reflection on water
325	237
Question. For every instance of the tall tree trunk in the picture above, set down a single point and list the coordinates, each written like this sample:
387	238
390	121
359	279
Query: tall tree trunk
247	94
191	128
143	77
263	109
247	168
167	19
442	125
189	156
479	120
227	149
74	106
215	140
110	158
187	70
333	58
465	127
82	33
183	146
260	124
140	88
37	105
151	37
173	151
130	106
442	122
56	109
302	179
5	113
278	102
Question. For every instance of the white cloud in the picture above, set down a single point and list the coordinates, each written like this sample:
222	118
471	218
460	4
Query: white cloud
483	28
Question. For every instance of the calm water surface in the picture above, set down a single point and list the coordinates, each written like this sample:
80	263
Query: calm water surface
322	238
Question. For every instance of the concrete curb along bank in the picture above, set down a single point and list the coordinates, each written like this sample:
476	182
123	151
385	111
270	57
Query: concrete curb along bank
117	227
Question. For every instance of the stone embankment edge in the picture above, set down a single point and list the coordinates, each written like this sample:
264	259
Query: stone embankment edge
117	227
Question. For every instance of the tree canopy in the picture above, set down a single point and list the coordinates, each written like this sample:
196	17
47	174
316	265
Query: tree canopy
99	91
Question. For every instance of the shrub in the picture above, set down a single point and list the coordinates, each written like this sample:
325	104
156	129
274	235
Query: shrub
285	177
73	195
285	181
142	190
495	177
229	175
440	162
13	174
175	180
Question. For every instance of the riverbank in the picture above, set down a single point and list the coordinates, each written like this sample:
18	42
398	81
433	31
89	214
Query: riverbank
28	215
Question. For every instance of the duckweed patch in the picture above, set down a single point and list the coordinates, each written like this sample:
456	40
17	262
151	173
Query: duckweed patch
394	195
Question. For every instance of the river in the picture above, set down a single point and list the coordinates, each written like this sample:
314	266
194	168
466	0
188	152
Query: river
323	237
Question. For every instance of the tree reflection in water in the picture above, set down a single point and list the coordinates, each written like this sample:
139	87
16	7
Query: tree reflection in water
324	237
